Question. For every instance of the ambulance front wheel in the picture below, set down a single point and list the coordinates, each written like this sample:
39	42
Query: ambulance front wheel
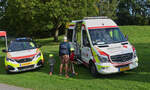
93	69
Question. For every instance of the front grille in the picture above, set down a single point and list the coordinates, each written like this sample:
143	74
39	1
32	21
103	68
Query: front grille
122	66
25	67
24	60
122	58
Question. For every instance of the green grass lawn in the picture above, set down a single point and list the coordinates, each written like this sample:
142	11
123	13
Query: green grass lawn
138	79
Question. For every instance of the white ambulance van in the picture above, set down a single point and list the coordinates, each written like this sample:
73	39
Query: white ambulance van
100	45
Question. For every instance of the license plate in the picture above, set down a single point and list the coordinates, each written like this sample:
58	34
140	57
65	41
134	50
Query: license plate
25	64
124	68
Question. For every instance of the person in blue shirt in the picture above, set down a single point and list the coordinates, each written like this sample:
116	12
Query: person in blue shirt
64	52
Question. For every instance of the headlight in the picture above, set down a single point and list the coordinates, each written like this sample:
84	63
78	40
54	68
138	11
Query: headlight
11	60
103	59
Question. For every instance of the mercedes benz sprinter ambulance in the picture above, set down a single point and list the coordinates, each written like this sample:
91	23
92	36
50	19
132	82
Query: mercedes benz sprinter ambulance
100	45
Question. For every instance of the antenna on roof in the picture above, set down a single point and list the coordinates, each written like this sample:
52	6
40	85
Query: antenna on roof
99	17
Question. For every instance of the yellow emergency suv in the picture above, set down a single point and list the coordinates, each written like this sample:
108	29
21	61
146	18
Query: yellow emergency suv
23	54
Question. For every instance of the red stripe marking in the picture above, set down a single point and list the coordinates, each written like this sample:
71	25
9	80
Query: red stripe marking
21	57
102	27
101	52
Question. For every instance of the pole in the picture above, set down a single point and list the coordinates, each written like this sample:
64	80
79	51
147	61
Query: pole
6	42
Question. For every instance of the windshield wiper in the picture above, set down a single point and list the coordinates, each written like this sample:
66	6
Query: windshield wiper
103	45
124	43
116	41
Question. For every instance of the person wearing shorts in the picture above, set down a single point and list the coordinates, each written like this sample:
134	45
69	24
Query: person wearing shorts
64	52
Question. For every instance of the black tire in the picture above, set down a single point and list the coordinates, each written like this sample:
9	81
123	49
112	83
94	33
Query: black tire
8	72
93	70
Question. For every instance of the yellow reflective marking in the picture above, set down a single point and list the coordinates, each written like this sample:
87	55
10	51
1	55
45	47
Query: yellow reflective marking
32	44
111	34
95	56
98	67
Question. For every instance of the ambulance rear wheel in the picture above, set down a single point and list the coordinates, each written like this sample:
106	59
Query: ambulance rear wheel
93	70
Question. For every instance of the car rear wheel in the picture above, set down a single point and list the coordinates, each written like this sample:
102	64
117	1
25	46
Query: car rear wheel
8	72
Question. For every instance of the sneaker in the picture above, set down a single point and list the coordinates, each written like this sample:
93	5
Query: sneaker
71	75
66	76
76	73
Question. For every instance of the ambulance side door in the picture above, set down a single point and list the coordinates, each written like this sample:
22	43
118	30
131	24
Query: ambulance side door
85	47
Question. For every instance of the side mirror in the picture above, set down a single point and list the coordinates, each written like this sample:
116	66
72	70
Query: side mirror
4	50
126	36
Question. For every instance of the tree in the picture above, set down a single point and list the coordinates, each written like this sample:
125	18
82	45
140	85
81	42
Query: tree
2	12
123	12
133	12
24	18
64	11
107	8
38	16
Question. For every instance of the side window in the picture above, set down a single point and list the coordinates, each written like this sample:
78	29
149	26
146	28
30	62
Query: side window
117	35
69	34
86	42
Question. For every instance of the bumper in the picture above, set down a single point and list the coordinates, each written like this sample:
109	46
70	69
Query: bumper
25	68
110	69
31	66
13	66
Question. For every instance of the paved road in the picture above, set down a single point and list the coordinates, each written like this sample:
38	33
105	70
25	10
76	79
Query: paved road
10	87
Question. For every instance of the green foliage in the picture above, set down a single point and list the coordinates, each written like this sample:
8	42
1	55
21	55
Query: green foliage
64	11
133	12
24	18
107	8
44	18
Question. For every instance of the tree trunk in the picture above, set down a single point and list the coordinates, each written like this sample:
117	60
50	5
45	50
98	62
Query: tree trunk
56	35
66	31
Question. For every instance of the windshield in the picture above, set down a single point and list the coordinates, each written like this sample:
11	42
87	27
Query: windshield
20	45
106	36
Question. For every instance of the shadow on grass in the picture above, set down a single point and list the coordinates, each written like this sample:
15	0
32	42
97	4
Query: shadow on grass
2	66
